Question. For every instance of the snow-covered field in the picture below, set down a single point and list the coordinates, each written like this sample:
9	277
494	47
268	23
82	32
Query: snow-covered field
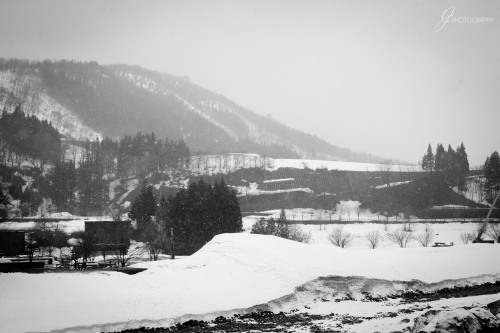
224	163
339	165
233	271
444	232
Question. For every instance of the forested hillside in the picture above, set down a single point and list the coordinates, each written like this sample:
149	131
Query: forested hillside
117	100
76	179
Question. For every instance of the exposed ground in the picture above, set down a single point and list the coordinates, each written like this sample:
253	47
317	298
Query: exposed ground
301	320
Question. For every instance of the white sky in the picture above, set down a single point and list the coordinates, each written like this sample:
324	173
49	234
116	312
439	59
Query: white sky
371	76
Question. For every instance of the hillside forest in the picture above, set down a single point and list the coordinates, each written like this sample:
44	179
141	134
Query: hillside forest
43	172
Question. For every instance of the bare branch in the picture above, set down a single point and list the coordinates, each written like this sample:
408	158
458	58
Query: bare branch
373	238
401	237
340	238
426	238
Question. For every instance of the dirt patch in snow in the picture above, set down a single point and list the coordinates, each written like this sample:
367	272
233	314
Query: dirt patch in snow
260	319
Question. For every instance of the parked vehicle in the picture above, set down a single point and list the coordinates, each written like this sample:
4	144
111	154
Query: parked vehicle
92	265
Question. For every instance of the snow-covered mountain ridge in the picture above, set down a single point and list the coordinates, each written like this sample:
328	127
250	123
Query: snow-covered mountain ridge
211	110
88	100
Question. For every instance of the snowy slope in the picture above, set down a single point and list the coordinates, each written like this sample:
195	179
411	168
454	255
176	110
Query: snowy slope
339	165
26	88
256	268
208	109
474	189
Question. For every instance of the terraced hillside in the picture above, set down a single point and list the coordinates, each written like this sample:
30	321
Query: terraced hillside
261	189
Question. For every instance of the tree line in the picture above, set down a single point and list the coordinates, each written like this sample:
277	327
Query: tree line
188	220
77	179
453	165
127	157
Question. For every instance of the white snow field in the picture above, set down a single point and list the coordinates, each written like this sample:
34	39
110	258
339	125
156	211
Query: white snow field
233	271
338	165
224	163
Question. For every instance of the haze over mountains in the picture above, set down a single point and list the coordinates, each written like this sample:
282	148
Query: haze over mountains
88	101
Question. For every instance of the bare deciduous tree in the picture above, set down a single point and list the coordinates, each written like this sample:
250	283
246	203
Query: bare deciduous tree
296	234
85	242
330	213
401	237
124	254
357	210
426	238
467	237
340	210
348	210
385	167
340	238
155	239
373	238
494	231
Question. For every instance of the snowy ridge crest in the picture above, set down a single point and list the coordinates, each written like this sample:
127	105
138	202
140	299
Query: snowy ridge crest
205	108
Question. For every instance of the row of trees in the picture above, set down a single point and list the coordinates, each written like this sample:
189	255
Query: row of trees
452	164
188	220
141	154
402	237
78	184
127	157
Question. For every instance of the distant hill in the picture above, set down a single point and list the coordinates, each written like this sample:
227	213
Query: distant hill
88	100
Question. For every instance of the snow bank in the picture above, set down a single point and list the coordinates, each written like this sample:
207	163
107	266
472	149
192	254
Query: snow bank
392	184
256	268
450	206
278	180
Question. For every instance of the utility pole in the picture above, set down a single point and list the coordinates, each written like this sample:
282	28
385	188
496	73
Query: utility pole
485	224
172	255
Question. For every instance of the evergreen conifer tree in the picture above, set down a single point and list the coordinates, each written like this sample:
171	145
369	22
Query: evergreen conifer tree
462	166
143	208
492	175
440	159
5	204
428	160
